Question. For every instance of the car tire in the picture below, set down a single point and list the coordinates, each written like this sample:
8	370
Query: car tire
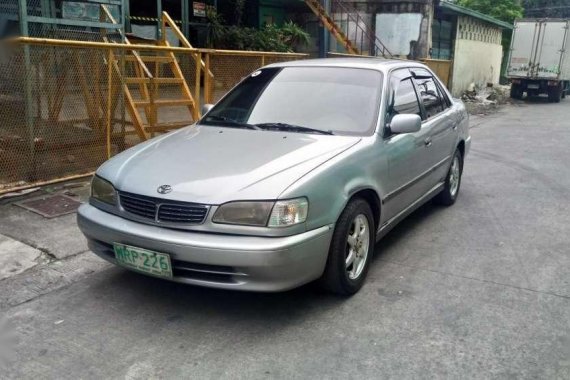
450	192
351	249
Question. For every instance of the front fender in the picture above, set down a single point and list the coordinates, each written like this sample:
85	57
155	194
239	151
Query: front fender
330	186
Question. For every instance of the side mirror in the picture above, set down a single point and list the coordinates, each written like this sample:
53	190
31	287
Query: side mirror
206	108
406	123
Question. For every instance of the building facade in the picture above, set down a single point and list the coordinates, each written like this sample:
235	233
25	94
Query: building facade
437	30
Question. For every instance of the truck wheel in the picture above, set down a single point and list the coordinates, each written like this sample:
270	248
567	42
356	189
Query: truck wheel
351	249
516	91
555	94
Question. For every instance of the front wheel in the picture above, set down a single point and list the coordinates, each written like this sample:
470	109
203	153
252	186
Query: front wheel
351	249
450	191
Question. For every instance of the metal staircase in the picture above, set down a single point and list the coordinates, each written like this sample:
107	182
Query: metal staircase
142	78
349	28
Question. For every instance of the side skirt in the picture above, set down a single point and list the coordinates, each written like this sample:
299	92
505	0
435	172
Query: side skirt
386	227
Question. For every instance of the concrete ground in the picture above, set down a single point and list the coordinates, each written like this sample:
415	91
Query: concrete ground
478	290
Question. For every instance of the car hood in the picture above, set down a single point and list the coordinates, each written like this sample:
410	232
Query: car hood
214	165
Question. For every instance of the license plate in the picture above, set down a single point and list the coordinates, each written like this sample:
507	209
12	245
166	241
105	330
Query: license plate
154	263
533	86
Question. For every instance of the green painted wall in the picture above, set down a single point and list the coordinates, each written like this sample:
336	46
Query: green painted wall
271	12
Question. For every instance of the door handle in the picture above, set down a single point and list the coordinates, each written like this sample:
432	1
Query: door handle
427	141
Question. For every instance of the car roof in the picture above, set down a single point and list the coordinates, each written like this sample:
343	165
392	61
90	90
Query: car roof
380	64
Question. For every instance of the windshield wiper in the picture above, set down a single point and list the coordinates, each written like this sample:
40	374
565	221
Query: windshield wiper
232	122
292	128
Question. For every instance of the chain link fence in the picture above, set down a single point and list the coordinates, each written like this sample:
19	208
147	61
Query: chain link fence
226	68
67	106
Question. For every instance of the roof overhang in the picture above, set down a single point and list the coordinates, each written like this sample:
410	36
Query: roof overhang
454	9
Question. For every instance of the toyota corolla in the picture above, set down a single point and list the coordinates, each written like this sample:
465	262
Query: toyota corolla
292	177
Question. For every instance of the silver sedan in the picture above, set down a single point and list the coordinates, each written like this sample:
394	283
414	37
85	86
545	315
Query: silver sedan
292	177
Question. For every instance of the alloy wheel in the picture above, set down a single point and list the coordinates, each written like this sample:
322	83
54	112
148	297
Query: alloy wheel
454	175
357	246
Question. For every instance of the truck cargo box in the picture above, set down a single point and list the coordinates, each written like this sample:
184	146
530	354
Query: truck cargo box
539	59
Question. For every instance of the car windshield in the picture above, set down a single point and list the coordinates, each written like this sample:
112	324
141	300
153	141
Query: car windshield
328	100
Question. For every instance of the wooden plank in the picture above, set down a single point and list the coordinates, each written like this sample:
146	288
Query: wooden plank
130	105
167	20
134	114
192	106
117	46
150	58
145	94
136	80
164	102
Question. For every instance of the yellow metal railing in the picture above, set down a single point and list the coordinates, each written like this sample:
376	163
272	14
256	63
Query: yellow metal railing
64	104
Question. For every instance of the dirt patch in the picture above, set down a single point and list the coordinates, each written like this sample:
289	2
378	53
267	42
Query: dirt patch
486	100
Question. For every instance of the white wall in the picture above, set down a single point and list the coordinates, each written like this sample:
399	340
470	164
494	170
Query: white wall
475	62
397	30
478	55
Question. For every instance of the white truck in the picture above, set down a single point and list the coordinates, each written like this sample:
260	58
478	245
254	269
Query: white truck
539	60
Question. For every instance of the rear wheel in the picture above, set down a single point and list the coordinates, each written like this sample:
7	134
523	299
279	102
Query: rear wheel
516	91
555	94
449	194
351	249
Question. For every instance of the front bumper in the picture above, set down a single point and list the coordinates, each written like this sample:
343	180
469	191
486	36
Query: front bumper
215	260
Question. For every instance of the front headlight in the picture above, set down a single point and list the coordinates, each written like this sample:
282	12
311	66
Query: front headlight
103	191
245	213
261	214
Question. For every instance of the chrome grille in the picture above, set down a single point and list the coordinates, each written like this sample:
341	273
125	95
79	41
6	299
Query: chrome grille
161	210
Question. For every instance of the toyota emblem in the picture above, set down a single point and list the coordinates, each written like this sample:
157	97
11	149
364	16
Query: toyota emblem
164	189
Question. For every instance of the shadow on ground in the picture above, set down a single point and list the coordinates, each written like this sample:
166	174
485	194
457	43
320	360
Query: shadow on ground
184	301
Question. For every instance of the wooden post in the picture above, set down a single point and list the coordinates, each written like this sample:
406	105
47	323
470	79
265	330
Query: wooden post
207	81
197	102
110	60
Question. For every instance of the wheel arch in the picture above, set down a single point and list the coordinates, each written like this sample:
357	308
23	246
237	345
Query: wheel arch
371	197
461	147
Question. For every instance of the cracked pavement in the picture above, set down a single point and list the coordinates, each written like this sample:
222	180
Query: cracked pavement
478	290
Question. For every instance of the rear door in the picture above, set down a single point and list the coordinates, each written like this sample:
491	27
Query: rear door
549	49
523	48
